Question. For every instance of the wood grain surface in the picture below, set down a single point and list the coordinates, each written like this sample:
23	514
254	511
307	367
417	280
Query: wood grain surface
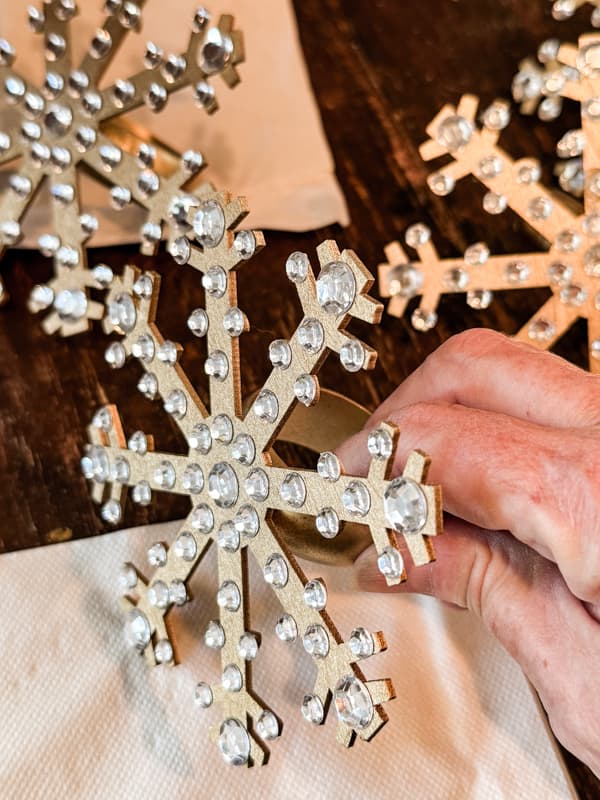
380	71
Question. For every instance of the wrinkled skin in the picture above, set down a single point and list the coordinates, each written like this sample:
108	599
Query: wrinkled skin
514	434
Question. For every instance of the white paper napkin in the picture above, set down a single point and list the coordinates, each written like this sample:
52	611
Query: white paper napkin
266	141
83	717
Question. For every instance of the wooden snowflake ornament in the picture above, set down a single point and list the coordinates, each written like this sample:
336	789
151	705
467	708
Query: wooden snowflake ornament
238	487
68	124
570	263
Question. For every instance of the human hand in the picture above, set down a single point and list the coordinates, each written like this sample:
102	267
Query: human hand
514	436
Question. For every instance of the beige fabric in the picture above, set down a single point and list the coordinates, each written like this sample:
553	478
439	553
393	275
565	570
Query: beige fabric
82	717
266	142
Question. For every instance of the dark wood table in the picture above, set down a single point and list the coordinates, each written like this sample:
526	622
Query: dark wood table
380	71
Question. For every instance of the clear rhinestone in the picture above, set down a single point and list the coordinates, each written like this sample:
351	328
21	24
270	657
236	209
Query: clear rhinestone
494	203
591	261
63	193
20	184
215	281
180	250
173	68
163	651
571	144
234	322
156	97
227	537
423	320
36	19
192	479
573	295
267	726
123	93
563	9
353	702
315	595
102	419
248	646
120	471
591	224
477	254
527	85
529	172
201	17
15	88
276	571
217	366
153	56
353	355
356	499
417	235
176	404
405	280
202	518
137	629
111	512
223	485
192	161
489	167
55	46
380	443
100	44
228	596
232	680
329	467
336	288
86	138
151	233
479	298
296	267
167	353
257	485
266	406
245	244
148	183
203	696
115	355
405	505
328	523
293	490
89	226
143	348
205	95
316	641
516	272
71	305
361	643
200	438
5	142
541	330
497	116
120	196
121	312
128	578
390	563
142	493
243	449
30	131
209	223
539	208
214	636
138	443
280	353
164	475
178	593
41	297
185	546
143	287
48	244
595	349
286	628
247	522
216	50
158	594
146	155
234	742
221	429
567	241
306	389
311	335
99	464
441	184
312	709
198	322
40	154
454	132
559	274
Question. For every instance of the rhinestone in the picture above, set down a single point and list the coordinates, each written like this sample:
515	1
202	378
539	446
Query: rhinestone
121	312
223	485
297	266
286	628
405	280
216	51
247	522
454	132
201	17
541	330
192	161
185	546
214	636
176	404
138	443
115	355
494	203
243	449
276	571
228	596
234	742
20	184
477	254
143	286
48	244
595	349
157	555
390	563
559	274
539	208
234	322
497	116
306	389
516	272
356	499
198	322
123	93
202	518
158	594
65	10
86	138
245	244
257	485
200	438
489	167
293	490
591	224
311	335
423	320
146	154
111	512
143	348
71	305
95	464
15	88
41	297
120	196
316	641
203	696
221	429
361	643
529	172
328	523
209	223
164	475
353	355
380	443
178	593
5	142
217	366
312	709
63	193
30	131
573	295
571	144
479	298
100	44
280	353
441	184
156	97
563	9
591	261
315	595
456	279
567	241
417	235
89	225
7	53
231	680
10	231
405	505
228	538
248	646
55	46
92	103
40	154
205	95
58	120
102	419
180	208
353	702
163	651
148	183
336	288
153	56
36	19
329	467
129	16
215	281
167	353
173	68
151	233
128	578
266	406
267	726
192	479
137	629
526	85
142	493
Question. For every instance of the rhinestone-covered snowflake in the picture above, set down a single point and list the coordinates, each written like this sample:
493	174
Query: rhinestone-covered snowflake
63	126
570	266
235	483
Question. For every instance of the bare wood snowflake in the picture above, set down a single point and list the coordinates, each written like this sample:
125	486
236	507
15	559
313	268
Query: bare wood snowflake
65	125
236	484
570	266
